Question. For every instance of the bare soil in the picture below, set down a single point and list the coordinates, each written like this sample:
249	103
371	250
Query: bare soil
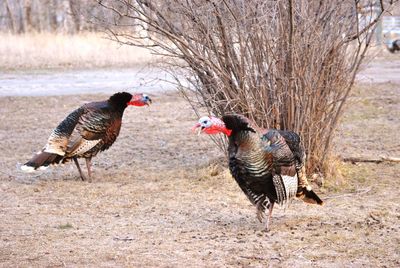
161	196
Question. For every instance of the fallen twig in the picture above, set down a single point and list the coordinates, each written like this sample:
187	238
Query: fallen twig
375	217
301	248
125	239
253	258
360	192
380	159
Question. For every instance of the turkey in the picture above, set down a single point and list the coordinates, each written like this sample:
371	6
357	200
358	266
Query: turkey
85	132
268	167
394	46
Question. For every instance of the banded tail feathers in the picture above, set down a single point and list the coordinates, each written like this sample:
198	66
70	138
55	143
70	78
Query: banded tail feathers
41	161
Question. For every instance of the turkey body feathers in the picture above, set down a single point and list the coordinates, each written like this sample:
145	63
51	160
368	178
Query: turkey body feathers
255	162
96	130
265	167
284	168
92	128
249	168
290	141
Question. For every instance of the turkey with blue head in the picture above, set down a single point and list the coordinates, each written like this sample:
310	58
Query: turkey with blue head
85	132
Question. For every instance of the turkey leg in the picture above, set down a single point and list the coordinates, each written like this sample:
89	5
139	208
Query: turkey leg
79	168
88	165
271	206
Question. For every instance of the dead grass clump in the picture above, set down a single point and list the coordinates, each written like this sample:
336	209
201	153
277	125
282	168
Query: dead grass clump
214	170
50	50
334	178
65	226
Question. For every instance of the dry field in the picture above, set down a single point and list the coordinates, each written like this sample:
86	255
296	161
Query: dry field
161	198
34	51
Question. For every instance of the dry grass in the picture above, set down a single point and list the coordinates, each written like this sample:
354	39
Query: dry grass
48	51
379	53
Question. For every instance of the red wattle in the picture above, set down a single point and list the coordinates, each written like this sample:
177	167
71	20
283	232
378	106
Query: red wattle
228	132
217	130
136	103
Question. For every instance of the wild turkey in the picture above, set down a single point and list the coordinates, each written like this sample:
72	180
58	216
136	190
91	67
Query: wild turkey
86	131
266	167
394	46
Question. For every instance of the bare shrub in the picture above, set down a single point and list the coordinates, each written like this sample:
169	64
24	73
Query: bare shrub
284	64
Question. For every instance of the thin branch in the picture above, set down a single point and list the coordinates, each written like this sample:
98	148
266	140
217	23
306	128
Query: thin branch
380	159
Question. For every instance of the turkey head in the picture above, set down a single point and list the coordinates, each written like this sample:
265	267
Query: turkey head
226	125
140	100
211	125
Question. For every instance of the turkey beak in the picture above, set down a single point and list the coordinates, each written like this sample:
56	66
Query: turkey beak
200	129
197	128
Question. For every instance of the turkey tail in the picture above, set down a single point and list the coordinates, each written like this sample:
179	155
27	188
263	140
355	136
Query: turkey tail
54	151
309	196
41	161
285	187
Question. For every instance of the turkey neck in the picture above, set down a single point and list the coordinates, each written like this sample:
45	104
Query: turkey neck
246	150
119	108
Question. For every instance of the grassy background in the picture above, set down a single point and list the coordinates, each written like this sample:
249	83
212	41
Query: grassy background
49	51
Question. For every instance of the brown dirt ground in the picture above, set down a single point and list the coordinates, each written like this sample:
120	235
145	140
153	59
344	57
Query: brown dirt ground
160	200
